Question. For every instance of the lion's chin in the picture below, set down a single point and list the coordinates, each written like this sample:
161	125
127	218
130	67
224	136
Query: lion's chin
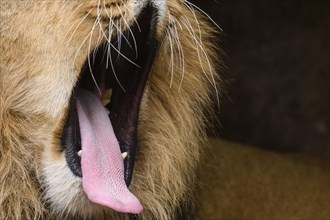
99	136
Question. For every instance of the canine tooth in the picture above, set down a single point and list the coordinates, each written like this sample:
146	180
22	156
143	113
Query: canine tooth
124	155
106	96
79	153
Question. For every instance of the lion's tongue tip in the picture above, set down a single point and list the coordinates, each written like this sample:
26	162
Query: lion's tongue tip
117	197
129	205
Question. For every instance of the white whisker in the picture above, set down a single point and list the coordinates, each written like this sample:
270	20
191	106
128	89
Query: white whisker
89	60
130	31
195	17
203	12
98	43
110	28
180	51
119	37
137	24
79	48
111	45
81	21
199	47
171	64
110	16
109	56
64	15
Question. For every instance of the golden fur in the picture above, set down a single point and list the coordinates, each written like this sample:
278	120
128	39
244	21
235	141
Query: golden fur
42	49
240	182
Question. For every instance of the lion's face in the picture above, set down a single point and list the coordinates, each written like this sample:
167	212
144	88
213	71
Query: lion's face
108	96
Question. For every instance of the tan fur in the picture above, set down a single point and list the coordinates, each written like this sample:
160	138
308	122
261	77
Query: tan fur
246	183
43	47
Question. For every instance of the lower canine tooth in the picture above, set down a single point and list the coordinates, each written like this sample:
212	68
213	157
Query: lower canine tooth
79	153
124	155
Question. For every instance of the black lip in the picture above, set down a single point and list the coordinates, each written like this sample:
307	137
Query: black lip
71	139
125	103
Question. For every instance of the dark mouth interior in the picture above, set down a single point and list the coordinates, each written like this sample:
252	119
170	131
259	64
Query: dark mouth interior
126	77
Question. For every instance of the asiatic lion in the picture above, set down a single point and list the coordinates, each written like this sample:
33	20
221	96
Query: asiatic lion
91	91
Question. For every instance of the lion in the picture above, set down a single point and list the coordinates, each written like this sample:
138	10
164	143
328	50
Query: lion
103	110
103	107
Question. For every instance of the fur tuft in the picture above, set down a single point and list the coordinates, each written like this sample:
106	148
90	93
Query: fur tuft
19	188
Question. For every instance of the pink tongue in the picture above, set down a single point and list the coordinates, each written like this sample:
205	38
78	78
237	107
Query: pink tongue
101	161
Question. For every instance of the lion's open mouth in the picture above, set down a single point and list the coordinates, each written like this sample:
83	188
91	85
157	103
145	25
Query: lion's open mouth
100	133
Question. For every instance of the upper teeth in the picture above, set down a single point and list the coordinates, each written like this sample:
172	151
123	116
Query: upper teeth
79	153
106	96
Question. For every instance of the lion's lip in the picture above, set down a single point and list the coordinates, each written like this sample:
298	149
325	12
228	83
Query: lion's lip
127	81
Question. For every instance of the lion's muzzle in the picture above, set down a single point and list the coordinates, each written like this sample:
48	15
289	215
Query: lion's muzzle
101	126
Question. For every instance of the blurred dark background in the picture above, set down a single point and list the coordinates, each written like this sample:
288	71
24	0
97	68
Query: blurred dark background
278	75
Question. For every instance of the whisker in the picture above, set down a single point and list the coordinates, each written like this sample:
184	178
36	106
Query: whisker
98	43
98	20
109	42
109	56
119	37
180	50
114	71
195	17
79	48
121	54
64	15
199	9
110	16
137	24
130	31
132	62
171	64
111	45
199	46
81	21
89	60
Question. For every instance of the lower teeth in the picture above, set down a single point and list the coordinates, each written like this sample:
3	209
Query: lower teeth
123	155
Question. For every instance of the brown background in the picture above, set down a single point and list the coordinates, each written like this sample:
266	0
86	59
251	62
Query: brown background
278	77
